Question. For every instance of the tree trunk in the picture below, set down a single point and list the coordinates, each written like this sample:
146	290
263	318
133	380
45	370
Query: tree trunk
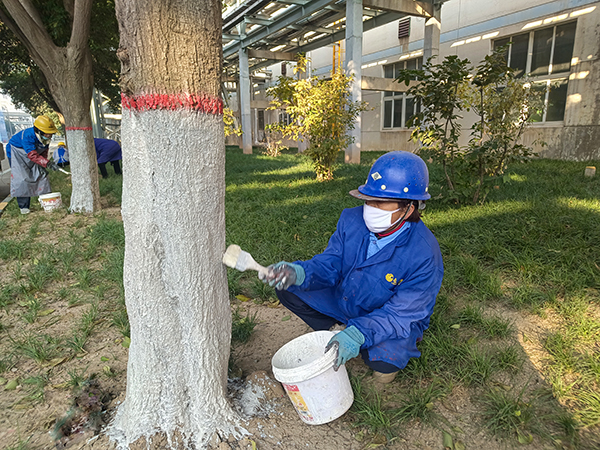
174	218
74	92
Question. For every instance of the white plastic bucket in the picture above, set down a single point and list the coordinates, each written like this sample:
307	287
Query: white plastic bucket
50	201
318	393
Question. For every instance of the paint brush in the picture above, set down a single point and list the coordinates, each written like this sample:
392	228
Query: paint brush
238	259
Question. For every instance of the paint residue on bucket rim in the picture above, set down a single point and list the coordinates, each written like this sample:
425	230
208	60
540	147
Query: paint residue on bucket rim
307	359
318	393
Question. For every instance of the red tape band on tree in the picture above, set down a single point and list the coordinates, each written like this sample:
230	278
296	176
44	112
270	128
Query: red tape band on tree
198	102
78	128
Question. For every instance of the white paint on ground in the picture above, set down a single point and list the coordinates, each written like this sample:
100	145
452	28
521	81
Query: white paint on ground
84	170
175	283
250	399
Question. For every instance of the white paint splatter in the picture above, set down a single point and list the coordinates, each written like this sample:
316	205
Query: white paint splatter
250	399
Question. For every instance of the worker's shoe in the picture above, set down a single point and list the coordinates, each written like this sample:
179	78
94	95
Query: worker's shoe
25	210
384	378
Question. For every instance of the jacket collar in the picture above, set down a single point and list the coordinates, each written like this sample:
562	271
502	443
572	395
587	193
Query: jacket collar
386	252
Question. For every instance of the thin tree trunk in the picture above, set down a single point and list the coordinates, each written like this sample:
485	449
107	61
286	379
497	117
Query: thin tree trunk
85	196
174	218
444	141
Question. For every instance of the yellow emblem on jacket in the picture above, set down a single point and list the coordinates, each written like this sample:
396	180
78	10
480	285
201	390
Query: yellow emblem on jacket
392	279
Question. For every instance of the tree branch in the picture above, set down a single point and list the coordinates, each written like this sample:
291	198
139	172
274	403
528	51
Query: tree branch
12	26
70	7
27	25
82	22
42	90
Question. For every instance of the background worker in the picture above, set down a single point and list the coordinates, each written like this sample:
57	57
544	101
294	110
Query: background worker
379	275
61	155
108	150
27	153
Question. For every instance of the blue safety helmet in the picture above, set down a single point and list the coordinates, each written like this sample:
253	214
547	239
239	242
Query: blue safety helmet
396	175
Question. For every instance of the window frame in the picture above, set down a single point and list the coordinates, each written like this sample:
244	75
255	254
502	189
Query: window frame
394	96
549	78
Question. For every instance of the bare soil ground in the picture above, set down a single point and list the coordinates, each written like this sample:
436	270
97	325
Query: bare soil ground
277	427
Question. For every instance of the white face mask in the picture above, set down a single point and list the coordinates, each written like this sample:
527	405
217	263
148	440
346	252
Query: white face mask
43	139
378	220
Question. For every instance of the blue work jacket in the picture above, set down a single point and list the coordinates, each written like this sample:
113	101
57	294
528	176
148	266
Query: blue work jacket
107	150
27	140
27	158
388	297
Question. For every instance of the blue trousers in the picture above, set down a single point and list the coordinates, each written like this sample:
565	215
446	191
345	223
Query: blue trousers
24	202
318	321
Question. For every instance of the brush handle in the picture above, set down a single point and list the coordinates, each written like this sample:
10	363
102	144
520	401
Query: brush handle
260	269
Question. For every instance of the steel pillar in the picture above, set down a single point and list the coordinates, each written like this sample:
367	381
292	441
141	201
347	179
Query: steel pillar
96	114
431	46
354	38
245	113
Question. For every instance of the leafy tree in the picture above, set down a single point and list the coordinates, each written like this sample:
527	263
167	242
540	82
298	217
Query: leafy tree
26	84
505	106
322	111
438	125
56	36
229	122
20	78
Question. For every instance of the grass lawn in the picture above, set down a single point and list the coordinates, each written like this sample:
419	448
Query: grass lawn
516	328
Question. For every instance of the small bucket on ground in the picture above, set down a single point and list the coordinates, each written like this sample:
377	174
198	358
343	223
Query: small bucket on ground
50	201
318	393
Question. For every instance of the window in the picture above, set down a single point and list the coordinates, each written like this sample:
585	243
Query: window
555	99
398	108
284	118
261	119
545	55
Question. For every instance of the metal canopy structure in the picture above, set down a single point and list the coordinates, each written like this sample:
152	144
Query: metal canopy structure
275	30
257	33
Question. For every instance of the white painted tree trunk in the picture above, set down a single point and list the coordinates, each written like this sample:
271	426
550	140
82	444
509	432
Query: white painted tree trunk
174	216
175	284
85	195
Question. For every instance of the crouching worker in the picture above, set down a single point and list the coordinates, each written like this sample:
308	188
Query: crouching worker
108	150
379	275
27	153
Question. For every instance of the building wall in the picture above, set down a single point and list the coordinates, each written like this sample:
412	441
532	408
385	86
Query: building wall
468	30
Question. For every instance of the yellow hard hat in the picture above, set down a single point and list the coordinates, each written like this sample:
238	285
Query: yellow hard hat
45	125
62	144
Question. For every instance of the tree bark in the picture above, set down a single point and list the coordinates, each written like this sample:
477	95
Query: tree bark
68	71
174	217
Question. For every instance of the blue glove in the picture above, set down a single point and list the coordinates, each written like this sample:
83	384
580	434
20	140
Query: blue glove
348	344
283	274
